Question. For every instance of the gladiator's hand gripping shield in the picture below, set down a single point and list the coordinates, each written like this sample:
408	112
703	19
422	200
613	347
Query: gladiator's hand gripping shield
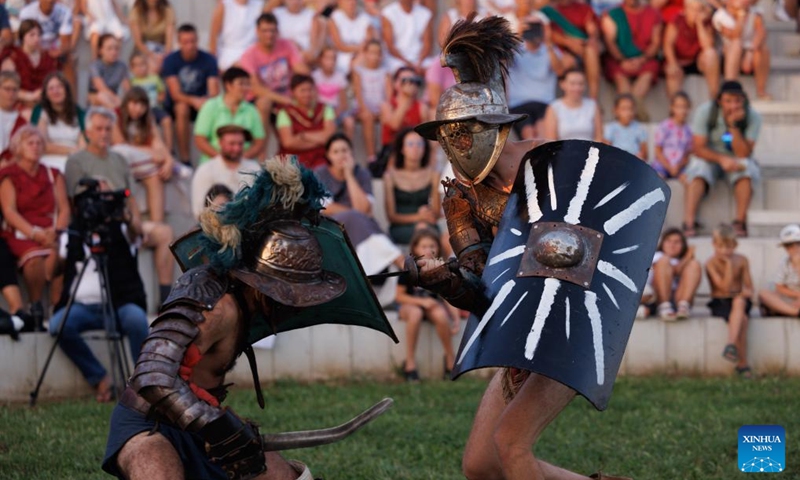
566	270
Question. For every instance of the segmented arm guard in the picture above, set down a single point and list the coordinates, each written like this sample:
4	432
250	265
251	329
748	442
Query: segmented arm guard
156	376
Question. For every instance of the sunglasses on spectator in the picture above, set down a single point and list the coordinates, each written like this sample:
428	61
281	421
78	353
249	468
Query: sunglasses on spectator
412	80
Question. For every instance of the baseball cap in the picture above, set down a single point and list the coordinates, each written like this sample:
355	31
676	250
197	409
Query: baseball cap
790	234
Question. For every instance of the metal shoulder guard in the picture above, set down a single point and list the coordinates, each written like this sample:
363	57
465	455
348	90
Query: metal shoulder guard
196	290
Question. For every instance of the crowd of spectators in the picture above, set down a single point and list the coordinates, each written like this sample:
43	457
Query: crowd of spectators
305	72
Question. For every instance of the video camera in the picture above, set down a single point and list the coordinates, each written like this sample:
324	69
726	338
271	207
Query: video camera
97	210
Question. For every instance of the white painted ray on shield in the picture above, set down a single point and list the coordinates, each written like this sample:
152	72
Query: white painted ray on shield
498	300
531	195
611	195
611	295
510	253
610	270
597	335
516	232
633	212
566	316
551	286
625	250
501	274
573	215
514	308
551	183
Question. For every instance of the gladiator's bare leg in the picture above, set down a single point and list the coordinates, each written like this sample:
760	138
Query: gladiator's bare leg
149	457
502	438
277	468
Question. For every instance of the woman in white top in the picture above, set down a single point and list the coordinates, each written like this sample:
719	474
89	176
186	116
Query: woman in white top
60	120
573	116
232	29
349	30
300	24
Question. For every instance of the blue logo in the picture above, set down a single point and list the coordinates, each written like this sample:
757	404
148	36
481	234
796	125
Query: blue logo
762	449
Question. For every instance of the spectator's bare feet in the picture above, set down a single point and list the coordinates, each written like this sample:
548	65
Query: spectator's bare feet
103	390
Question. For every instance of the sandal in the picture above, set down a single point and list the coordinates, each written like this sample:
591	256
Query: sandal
740	228
730	353
684	310
745	372
666	312
689	231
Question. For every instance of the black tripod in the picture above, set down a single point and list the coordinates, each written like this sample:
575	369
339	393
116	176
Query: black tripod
120	372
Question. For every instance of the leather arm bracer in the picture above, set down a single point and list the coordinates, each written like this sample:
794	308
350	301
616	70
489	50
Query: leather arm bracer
156	376
456	284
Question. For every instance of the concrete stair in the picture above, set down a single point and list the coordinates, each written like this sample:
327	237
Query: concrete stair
329	352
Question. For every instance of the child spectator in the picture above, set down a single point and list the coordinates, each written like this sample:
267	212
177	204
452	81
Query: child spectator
371	84
156	93
417	304
744	42
784	299
675	276
102	17
332	90
626	133
731	289
674	139
138	141
108	76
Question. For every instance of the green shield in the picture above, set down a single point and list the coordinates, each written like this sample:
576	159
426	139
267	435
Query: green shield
357	306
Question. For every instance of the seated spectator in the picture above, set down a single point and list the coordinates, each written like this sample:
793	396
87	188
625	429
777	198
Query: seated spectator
532	78
675	276
418	304
305	125
230	108
192	78
784	298
9	289
332	89
402	111
97	160
218	196
350	203
300	25
633	40
673	142
669	9
371	86
229	167
102	18
724	132
576	31
55	18
731	290
232	30
87	311
271	62
156	93
573	116
6	33
744	43
152	24
30	62
138	140
60	120
108	76
624	132
10	119
349	31
35	208
407	32
689	48
411	188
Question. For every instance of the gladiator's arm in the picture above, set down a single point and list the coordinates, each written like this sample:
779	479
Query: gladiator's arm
232	443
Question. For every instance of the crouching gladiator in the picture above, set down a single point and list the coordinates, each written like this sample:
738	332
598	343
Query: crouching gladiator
552	248
260	267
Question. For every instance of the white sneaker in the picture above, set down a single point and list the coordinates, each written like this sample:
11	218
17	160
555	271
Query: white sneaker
684	310
666	312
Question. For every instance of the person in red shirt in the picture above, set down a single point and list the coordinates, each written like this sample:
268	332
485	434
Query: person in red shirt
403	110
689	48
633	40
30	61
576	31
305	126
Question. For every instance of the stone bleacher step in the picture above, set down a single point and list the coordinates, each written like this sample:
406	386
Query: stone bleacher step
764	223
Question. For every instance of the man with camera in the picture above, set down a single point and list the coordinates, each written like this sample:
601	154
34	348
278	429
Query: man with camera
533	76
98	161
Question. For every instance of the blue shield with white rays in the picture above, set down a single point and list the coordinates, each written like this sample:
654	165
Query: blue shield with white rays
569	318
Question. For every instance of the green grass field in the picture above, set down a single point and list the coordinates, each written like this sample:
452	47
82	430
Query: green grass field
655	429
